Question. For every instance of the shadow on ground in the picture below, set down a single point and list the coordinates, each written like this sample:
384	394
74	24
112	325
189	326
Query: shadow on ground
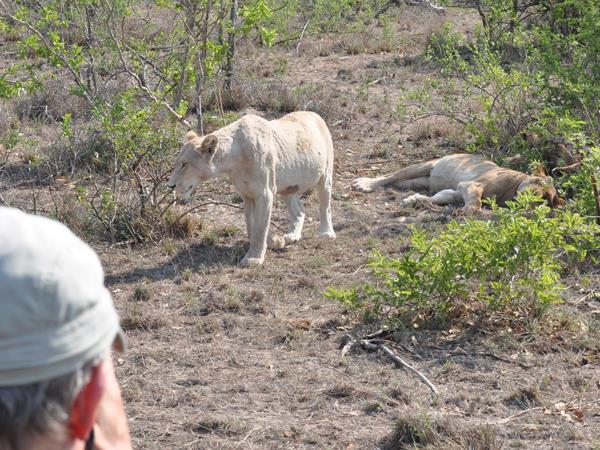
194	257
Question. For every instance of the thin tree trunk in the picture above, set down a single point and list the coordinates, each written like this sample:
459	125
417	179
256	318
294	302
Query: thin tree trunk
201	68
186	57
92	77
229	72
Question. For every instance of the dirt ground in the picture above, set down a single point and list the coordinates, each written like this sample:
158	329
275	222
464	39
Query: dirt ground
225	357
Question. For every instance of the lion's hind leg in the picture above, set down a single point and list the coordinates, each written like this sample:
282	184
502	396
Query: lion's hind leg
416	184
296	217
415	171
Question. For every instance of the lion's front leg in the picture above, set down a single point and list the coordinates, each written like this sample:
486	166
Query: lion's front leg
472	194
259	229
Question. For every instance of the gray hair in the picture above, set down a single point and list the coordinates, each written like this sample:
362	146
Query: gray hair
39	409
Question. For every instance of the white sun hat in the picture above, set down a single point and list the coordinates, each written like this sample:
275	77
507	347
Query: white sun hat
55	313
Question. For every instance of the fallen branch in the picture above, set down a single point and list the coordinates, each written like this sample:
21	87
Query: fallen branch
371	345
519	414
350	341
461	352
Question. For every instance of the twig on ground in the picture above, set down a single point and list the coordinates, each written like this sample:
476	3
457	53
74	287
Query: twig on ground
461	351
239	444
348	345
379	80
377	334
370	345
519	414
406	349
500	358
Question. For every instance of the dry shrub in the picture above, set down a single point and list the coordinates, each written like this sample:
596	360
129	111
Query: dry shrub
154	224
122	219
430	24
137	318
358	43
67	209
218	98
51	104
278	97
141	294
437	127
7	118
524	398
440	433
86	150
224	427
181	225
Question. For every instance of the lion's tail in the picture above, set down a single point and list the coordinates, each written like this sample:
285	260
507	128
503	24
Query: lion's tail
406	173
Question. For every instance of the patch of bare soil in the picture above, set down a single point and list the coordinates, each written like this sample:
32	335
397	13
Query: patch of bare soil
225	357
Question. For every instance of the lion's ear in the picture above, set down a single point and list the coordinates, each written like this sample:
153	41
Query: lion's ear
189	136
539	171
209	145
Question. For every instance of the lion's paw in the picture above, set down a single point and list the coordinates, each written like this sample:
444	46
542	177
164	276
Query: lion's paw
327	235
251	262
363	184
290	238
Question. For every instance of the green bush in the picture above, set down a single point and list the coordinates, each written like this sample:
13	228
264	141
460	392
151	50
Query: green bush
527	83
580	183
511	263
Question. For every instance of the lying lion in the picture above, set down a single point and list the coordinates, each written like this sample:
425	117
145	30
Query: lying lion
463	178
262	158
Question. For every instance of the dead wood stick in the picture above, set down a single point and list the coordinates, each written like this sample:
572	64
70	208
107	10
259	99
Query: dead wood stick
376	334
500	358
412	352
399	362
514	416
462	352
350	341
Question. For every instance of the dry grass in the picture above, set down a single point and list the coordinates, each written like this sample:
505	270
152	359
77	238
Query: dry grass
51	104
422	430
224	357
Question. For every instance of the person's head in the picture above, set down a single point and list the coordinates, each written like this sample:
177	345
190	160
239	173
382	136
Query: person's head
57	325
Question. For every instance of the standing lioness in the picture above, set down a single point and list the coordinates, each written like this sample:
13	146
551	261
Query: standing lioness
262	158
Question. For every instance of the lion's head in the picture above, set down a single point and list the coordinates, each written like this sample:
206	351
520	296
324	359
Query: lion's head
193	164
543	187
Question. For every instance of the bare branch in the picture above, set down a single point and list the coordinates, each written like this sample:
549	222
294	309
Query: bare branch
141	84
371	345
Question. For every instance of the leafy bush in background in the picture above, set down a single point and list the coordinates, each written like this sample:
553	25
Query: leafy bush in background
535	70
512	263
